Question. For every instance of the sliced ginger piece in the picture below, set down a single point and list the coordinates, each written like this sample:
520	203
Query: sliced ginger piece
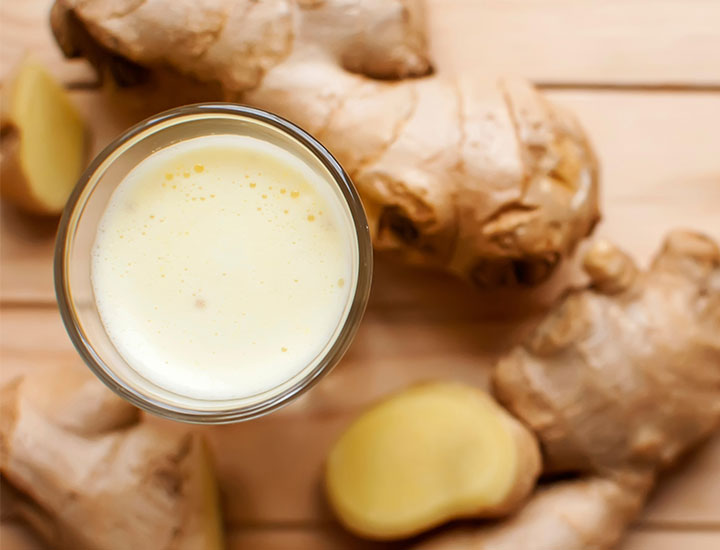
43	143
432	453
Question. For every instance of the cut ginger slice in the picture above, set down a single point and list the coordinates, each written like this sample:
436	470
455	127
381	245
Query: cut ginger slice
432	453
43	141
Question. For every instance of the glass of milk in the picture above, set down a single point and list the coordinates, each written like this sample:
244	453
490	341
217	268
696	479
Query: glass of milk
213	263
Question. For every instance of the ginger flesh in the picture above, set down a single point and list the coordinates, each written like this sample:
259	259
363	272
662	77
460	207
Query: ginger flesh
483	178
90	476
43	143
619	381
432	453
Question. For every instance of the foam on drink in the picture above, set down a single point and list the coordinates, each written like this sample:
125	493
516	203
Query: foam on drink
222	266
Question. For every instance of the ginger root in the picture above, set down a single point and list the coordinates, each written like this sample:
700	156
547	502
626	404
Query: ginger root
583	514
91	477
618	381
485	179
43	141
432	453
625	374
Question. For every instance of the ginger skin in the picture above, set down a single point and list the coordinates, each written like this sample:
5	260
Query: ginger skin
431	453
89	476
619	381
582	514
625	374
484	179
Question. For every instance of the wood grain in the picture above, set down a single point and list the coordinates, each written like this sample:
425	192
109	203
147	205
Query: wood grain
689	495
660	162
616	42
662	539
24	29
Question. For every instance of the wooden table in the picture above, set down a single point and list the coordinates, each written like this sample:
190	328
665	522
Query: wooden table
644	78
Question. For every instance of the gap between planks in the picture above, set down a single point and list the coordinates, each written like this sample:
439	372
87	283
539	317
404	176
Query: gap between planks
637	87
578	86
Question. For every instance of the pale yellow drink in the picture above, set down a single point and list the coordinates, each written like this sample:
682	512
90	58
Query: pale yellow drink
222	266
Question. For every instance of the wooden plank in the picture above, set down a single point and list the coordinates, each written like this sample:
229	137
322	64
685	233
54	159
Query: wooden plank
403	296
659	154
389	353
626	42
270	468
26	252
260	483
660	162
689	494
630	42
32	338
660	539
25	29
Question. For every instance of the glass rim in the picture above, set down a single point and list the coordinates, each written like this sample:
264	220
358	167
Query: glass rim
73	211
